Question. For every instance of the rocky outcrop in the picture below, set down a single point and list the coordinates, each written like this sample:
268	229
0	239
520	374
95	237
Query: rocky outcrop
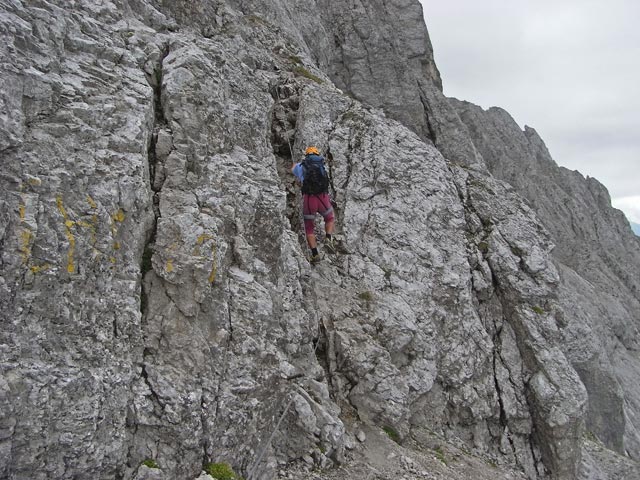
596	253
156	299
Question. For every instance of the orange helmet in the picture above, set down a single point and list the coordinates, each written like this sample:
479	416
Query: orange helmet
312	150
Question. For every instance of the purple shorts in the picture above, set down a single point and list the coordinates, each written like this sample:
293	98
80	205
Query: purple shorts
312	204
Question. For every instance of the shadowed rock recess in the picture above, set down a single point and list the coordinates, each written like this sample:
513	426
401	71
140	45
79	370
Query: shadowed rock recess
158	310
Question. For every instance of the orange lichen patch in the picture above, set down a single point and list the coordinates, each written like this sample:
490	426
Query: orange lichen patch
82	223
203	238
25	244
25	235
68	233
39	268
61	208
118	216
169	266
214	267
92	228
89	226
72	246
199	241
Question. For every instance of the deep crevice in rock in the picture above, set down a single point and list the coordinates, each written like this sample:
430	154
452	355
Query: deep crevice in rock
427	115
475	240
160	121
323	352
283	131
504	421
145	376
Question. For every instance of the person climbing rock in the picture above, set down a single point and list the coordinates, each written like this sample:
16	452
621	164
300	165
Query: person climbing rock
314	179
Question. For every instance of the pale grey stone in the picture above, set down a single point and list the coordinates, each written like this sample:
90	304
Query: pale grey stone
156	297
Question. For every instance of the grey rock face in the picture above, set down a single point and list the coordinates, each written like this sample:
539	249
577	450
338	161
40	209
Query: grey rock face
157	302
597	255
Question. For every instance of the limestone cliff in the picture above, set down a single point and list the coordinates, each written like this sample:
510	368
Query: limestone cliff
156	299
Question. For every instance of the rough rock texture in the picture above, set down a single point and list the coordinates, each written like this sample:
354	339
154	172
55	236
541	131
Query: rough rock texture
355	42
156	299
597	254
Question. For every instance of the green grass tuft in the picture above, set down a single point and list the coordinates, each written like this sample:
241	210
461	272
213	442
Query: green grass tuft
538	310
151	463
221	471
255	19
589	435
392	433
440	455
367	296
483	247
303	72
296	60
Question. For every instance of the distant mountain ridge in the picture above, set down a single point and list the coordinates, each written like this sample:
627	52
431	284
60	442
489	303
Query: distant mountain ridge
635	227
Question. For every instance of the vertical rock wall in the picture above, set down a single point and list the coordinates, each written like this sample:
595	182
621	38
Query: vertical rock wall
596	252
75	212
157	302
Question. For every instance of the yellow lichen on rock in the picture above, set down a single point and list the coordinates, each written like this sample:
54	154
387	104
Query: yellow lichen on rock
199	241
214	266
39	268
68	233
25	244
119	216
203	238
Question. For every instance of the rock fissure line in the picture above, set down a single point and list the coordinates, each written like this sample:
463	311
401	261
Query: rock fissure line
160	120
205	428
427	115
284	108
470	208
227	349
229	316
532	408
323	354
504	421
145	376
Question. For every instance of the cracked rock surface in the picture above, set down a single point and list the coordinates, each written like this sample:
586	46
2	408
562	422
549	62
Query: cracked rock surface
157	303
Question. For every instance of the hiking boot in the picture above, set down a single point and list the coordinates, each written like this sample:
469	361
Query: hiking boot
330	244
313	259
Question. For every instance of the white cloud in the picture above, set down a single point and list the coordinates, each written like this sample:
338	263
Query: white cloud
569	69
630	206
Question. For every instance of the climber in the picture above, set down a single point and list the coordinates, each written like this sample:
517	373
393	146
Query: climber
313	177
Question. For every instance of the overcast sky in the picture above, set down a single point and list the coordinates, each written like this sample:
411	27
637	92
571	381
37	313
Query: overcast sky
570	69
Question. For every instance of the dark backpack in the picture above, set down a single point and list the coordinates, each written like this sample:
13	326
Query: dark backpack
316	180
